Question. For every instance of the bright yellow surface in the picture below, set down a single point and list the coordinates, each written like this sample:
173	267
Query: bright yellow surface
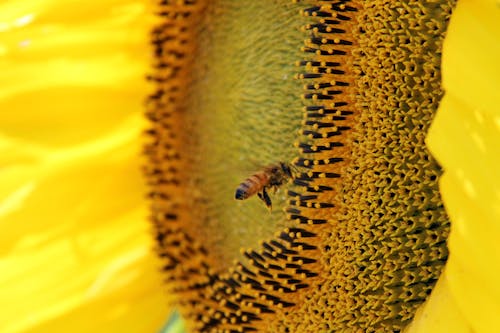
465	138
440	313
75	246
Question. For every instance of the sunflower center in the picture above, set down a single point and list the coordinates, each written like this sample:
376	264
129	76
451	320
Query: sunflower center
243	114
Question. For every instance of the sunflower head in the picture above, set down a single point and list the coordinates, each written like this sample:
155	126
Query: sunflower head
357	238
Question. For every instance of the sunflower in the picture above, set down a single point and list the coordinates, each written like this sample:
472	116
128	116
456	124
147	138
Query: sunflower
358	238
330	256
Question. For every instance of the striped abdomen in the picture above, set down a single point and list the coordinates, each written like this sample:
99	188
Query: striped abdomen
252	185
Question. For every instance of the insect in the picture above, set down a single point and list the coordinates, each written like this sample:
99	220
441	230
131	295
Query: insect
271	176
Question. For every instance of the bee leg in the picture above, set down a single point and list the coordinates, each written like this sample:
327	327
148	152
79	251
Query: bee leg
267	200
275	188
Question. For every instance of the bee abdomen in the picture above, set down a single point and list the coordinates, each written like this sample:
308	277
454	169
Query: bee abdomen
250	186
241	192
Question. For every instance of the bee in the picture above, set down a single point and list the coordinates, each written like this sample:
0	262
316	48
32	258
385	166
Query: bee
271	176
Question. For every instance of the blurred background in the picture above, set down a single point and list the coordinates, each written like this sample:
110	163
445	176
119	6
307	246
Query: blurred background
76	252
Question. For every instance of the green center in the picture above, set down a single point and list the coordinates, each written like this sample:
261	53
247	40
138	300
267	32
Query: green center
244	114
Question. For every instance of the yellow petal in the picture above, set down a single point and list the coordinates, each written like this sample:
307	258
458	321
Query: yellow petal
465	138
75	248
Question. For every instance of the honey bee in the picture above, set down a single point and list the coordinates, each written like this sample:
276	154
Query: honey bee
271	176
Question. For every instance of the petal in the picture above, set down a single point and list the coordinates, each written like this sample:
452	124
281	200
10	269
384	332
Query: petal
465	138
75	248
